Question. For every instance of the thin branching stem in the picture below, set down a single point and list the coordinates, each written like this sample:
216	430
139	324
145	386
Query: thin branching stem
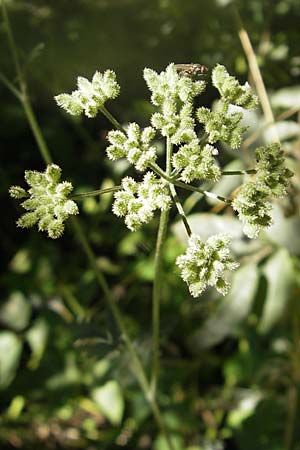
96	192
189	187
11	87
156	293
239	172
112	119
180	209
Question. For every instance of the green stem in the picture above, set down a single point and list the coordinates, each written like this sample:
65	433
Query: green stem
96	192
36	131
239	172
23	90
180	209
42	146
10	86
188	187
156	293
112	119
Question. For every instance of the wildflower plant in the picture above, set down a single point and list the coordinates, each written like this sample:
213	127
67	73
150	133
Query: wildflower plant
190	156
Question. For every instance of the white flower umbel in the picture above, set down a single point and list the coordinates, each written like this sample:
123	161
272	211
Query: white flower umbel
138	201
204	264
253	208
222	126
169	85
135	146
46	201
90	96
231	91
174	95
196	163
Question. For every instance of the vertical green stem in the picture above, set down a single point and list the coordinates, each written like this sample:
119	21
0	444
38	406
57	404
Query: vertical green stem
23	90
156	293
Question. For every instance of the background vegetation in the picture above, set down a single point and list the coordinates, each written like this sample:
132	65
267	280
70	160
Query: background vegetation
230	374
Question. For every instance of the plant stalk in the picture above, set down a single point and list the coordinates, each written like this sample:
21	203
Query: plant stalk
156	293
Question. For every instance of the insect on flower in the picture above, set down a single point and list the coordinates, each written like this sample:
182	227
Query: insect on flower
191	70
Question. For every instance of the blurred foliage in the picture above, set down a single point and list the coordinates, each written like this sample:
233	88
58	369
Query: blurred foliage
230	367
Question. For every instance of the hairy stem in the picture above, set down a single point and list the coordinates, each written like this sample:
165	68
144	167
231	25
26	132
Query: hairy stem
239	172
189	187
156	293
96	192
112	119
180	209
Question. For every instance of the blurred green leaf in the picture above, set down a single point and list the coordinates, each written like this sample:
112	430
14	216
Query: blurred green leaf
232	310
37	338
279	272
16	311
10	352
109	398
161	443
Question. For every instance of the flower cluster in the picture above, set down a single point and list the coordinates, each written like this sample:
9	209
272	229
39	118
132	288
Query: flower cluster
46	201
204	264
178	126
231	91
90	96
135	146
195	162
221	126
271	171
174	95
272	179
169	85
253	208
138	201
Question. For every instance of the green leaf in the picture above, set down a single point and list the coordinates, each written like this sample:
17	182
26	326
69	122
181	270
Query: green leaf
110	401
10	352
16	311
279	272
232	310
37	339
161	443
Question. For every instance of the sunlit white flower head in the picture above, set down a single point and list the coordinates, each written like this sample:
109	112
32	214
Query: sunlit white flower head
138	201
231	91
135	145
46	201
204	264
90	95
